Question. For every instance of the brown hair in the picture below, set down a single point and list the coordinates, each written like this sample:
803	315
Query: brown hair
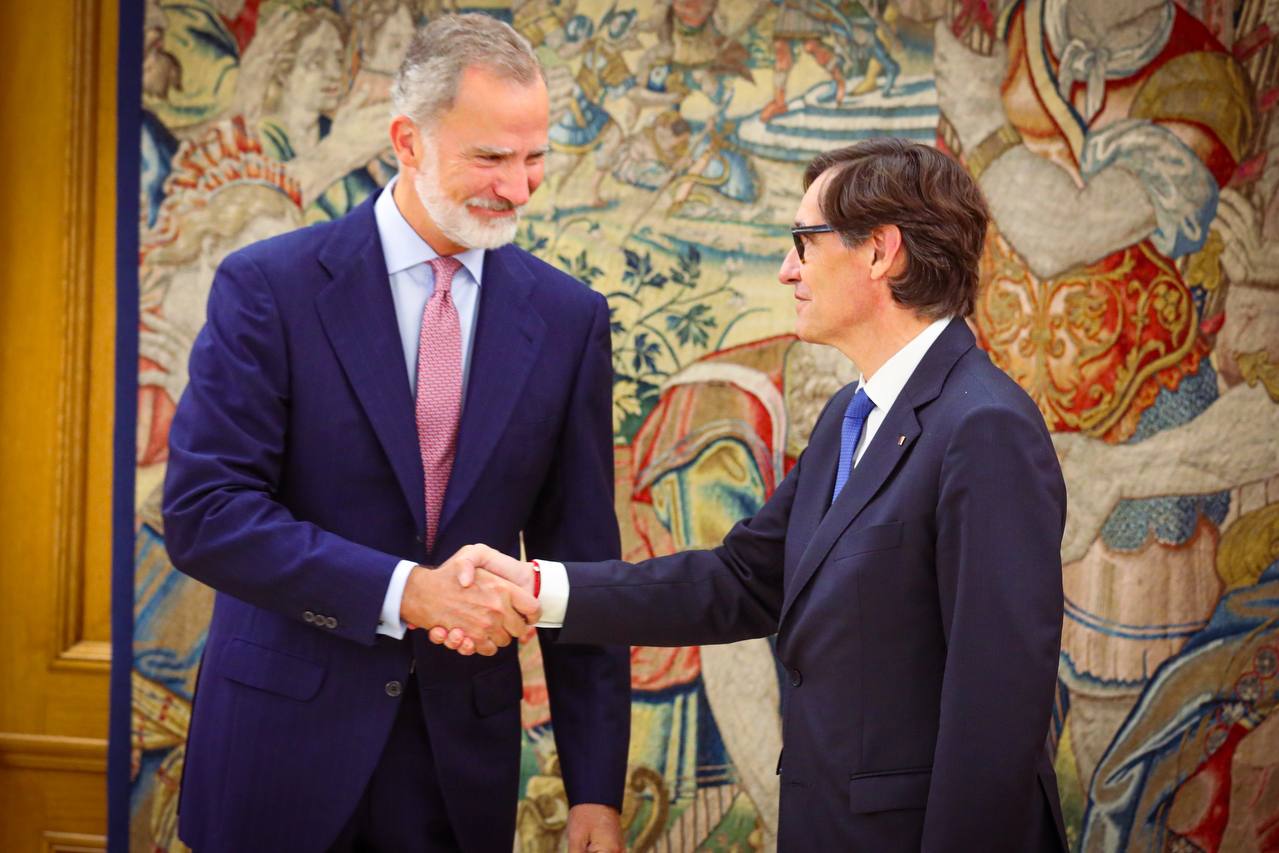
932	200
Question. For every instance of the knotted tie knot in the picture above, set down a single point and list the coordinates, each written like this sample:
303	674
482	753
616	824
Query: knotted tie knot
444	267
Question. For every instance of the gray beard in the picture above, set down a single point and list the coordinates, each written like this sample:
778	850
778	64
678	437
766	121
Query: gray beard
454	220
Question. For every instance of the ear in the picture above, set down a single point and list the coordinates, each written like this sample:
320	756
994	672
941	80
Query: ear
406	140
889	257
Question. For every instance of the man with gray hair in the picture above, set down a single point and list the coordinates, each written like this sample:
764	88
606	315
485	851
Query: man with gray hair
368	396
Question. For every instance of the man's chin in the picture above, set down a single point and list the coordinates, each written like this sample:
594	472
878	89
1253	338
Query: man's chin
478	234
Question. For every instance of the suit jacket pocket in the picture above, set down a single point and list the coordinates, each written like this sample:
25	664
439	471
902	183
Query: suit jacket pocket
877	537
270	670
496	689
889	790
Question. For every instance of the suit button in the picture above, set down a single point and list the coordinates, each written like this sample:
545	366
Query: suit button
394	688
330	622
419	539
308	616
796	678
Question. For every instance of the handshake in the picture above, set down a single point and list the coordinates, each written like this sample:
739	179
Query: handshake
477	601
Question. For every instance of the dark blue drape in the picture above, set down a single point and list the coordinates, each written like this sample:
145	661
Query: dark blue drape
128	126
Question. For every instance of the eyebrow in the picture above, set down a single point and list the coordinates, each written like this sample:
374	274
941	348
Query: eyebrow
494	151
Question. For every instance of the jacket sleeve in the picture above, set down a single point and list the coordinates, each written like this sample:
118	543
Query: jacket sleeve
722	595
222	523
589	685
1001	512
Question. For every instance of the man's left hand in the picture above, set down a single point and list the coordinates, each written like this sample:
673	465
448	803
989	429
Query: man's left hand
594	828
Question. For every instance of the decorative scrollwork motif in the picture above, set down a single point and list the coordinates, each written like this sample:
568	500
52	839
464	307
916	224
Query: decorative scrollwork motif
1092	346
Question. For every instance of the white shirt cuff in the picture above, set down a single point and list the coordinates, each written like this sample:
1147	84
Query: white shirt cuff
553	596
389	623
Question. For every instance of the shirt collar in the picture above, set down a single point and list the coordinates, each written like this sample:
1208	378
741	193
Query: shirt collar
403	248
886	385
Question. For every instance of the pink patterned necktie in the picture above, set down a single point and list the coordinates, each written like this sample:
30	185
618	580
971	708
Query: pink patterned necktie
439	390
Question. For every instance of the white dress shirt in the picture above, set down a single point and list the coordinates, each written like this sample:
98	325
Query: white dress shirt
883	390
886	385
412	283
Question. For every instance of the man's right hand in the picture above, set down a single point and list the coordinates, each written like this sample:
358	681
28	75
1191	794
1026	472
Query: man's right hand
497	568
487	609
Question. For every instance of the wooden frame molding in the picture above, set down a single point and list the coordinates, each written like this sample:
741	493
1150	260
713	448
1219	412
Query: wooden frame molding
73	842
53	752
57	365
71	648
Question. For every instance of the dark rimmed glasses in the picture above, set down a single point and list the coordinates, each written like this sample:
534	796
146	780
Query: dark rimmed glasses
797	234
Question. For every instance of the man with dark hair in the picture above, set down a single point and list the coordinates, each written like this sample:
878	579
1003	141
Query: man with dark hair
908	563
368	395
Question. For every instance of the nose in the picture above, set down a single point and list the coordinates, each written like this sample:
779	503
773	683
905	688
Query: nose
516	183
789	273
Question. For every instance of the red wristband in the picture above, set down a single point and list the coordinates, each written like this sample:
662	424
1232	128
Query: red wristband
537	579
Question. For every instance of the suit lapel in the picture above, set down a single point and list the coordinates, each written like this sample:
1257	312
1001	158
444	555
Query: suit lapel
508	337
821	458
358	315
881	458
891	444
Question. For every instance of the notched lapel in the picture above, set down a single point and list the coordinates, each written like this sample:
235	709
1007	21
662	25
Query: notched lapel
508	336
821	457
358	315
882	457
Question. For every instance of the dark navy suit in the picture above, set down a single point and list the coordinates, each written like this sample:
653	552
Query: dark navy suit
918	617
294	487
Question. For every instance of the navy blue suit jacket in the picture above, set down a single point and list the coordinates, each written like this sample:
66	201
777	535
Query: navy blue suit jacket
294	487
918	617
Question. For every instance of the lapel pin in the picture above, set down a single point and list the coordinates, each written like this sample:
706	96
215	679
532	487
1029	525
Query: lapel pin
901	439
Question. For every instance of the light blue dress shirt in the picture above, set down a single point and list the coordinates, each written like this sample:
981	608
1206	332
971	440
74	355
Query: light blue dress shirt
412	283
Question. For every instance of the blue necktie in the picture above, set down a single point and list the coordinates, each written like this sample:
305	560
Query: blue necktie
854	420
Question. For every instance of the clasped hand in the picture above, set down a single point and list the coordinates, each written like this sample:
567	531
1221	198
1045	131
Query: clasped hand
482	599
477	601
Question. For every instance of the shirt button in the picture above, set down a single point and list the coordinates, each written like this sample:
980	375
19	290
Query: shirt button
394	688
308	616
796	678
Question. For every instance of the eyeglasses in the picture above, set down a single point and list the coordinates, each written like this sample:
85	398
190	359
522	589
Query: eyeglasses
797	234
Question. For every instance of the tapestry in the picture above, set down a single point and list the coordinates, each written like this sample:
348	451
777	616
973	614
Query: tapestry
1130	283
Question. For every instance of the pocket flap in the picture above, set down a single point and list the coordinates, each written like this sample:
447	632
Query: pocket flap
882	792
496	689
270	670
879	537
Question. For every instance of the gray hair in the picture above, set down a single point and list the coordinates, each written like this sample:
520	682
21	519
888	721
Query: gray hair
427	82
